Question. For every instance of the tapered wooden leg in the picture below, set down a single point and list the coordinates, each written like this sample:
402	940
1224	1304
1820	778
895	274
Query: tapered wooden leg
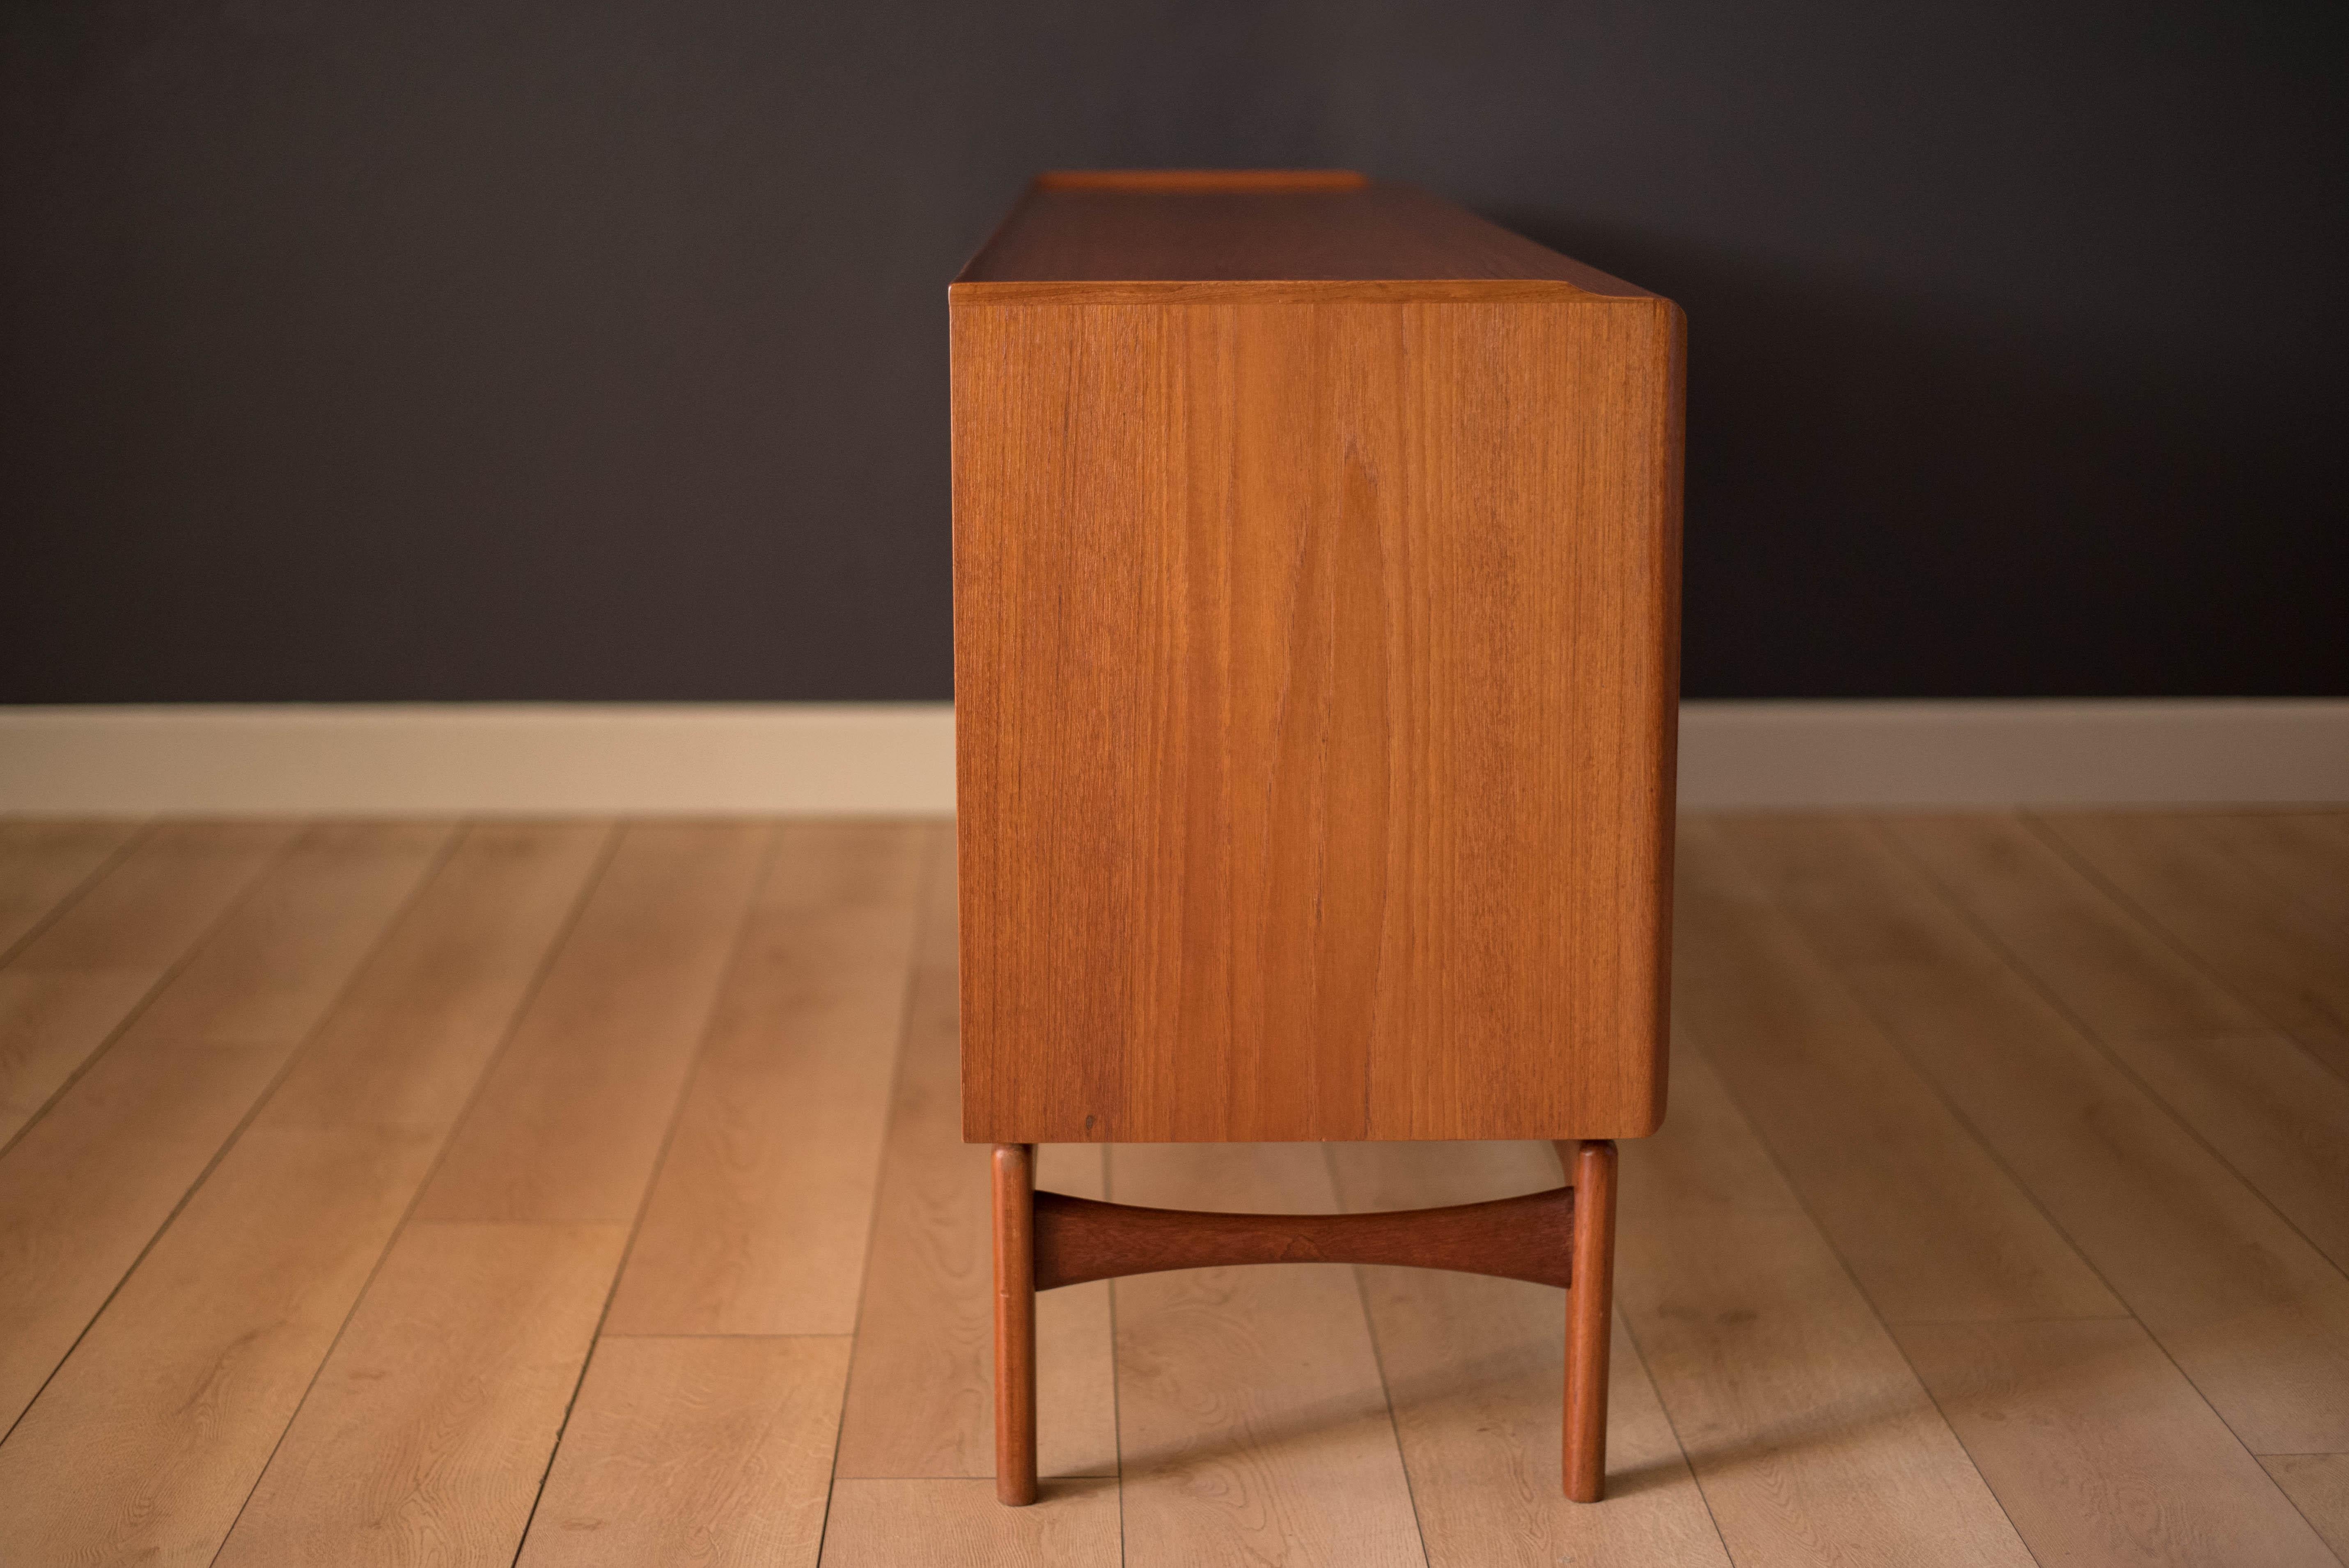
1589	1312
1015	1324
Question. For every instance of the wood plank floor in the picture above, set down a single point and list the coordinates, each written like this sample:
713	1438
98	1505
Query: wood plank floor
589	1193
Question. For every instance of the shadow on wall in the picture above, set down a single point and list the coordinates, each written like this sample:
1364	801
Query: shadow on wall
1880	458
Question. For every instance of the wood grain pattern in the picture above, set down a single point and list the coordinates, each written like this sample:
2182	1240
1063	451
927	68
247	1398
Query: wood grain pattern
2318	1485
1076	1371
2101	1452
91	1184
571	1115
51	1023
1472	1367
2303	854
1812	1437
759	1219
407	1044
67	988
920	1400
275	964
2254	1315
151	1436
2271	1111
709	1450
2269	1108
44	864
154	903
1252	1420
1806	961
426	1435
952	1524
2114	974
1316	663
1861	1133
2278	952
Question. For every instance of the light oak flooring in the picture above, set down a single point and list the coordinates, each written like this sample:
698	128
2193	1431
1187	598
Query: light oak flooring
590	1194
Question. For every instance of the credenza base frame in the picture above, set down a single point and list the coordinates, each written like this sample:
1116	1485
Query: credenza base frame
1565	1236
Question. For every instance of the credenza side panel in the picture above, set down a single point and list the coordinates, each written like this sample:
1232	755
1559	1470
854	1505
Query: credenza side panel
1315	681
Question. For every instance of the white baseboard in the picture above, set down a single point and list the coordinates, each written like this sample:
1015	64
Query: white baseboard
1760	755
897	759
557	758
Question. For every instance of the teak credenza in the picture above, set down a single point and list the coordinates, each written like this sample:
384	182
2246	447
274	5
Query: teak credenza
1317	577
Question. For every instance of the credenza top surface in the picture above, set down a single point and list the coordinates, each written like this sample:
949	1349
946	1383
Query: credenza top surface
1257	226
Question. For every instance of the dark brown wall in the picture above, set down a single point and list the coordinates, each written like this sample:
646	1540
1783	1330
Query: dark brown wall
586	350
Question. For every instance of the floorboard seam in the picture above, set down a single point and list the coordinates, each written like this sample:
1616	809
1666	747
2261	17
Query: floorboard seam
2036	824
260	1100
1378	1360
743	920
73	894
514	1023
1116	1408
2096	1041
940	862
1892	1037
163	982
1664	1408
